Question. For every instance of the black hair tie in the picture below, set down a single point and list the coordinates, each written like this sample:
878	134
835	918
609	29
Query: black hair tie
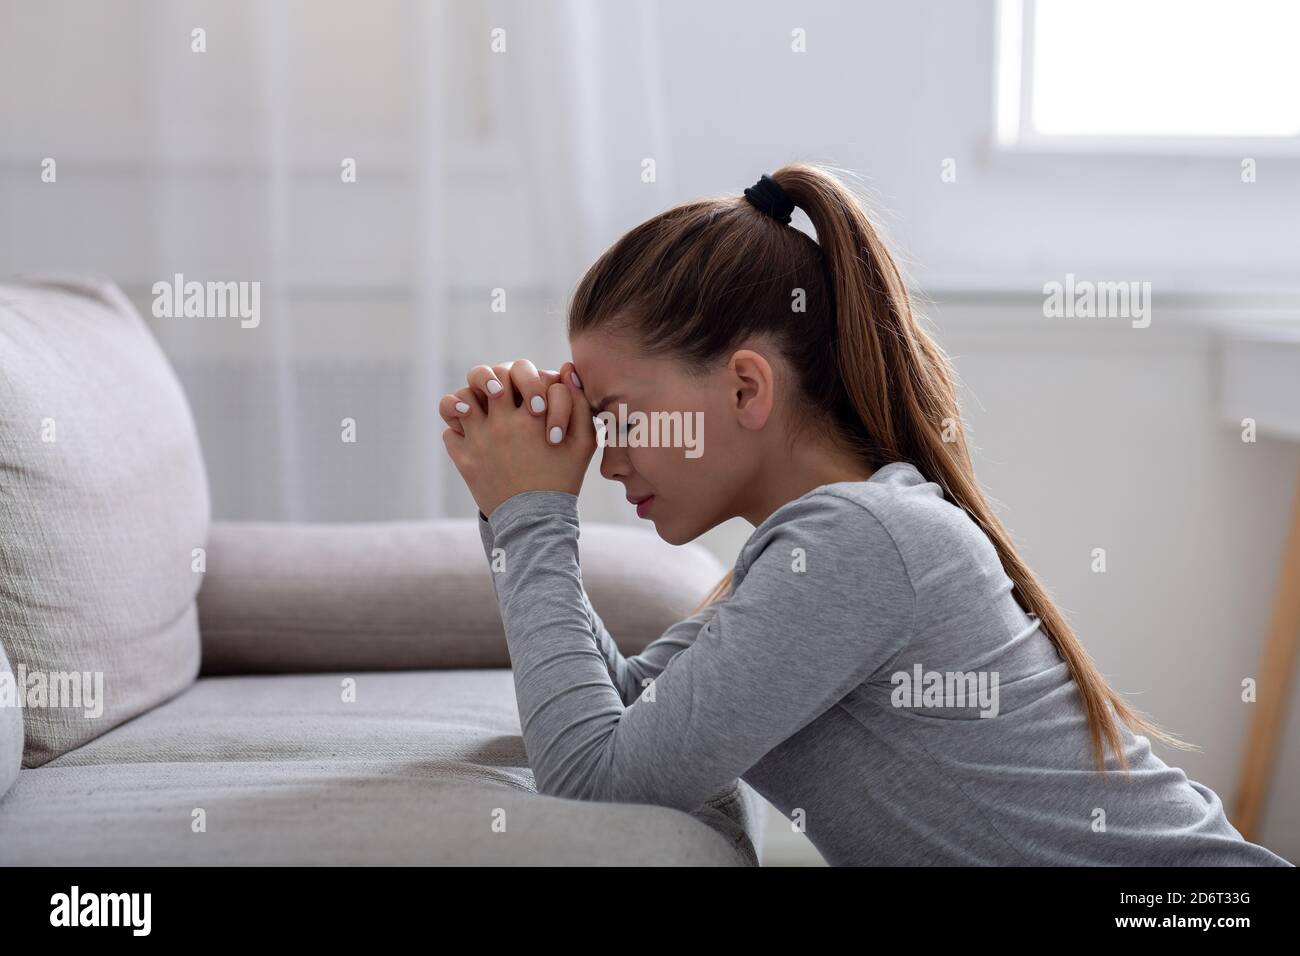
767	195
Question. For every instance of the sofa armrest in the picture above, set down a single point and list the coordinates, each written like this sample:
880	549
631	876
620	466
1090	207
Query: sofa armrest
283	598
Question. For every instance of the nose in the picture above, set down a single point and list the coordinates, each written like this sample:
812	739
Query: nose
614	464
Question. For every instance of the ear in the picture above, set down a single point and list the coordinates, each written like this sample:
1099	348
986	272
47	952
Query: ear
753	388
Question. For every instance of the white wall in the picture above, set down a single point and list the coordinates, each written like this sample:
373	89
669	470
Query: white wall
891	89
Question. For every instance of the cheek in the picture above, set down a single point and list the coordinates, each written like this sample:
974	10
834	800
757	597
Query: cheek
691	483
687	481
660	467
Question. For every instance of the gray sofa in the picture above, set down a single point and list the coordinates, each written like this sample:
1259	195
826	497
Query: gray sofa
269	693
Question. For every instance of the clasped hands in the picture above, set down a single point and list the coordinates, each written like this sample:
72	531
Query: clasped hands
513	429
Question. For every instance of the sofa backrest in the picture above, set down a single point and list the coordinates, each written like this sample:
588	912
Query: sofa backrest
103	501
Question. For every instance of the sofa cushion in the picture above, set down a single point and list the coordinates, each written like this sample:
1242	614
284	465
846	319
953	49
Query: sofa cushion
373	767
461	723
309	813
11	726
104	501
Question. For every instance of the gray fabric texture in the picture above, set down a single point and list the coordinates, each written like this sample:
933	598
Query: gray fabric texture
105	498
11	727
415	770
793	684
294	598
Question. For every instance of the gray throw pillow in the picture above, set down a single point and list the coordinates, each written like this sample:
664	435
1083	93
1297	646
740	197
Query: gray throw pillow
103	501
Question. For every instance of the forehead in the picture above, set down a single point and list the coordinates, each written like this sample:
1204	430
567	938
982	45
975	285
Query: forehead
595	345
610	363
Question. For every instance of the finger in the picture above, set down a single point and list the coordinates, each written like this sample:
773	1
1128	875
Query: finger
582	417
485	381
549	377
457	406
559	410
529	386
502	370
569	374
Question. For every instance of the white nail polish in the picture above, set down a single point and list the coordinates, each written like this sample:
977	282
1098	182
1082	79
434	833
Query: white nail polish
557	434
539	403
462	407
493	386
576	381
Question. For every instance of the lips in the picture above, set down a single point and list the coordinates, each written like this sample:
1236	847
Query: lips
643	504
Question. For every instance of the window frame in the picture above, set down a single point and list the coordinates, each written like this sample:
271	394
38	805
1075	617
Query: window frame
1013	90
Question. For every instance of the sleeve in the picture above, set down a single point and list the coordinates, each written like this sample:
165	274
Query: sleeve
630	675
823	603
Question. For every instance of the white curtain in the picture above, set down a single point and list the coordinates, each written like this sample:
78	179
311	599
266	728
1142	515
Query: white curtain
475	171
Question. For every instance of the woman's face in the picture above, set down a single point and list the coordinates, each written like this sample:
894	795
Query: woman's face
698	446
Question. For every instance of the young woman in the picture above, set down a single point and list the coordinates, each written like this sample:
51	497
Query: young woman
880	664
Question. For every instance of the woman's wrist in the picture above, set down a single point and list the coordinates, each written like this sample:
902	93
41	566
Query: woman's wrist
534	501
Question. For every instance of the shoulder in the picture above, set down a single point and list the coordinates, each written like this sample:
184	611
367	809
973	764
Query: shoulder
896	515
826	517
941	545
829	558
844	528
911	508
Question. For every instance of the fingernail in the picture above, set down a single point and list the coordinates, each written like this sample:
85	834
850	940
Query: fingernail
462	407
493	386
557	434
538	403
574	375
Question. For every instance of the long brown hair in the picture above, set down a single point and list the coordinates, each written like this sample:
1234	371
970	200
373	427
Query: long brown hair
700	277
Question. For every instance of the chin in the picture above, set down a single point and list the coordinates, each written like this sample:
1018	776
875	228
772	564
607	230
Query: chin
672	539
675	534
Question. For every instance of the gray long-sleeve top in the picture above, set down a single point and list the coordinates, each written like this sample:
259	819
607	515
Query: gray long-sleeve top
870	674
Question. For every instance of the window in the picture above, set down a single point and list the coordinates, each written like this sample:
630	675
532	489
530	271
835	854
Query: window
1149	75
